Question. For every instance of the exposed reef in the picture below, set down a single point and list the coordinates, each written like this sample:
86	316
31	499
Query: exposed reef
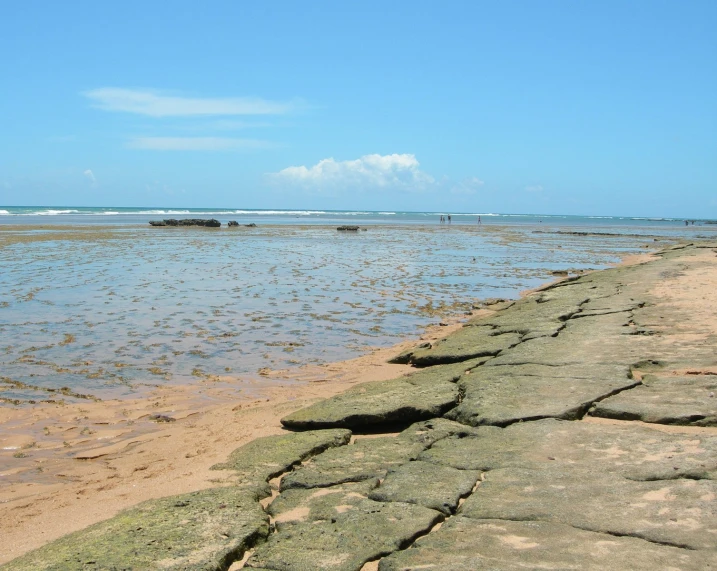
210	223
500	434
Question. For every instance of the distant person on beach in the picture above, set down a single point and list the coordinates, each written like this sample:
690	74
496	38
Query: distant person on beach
449	219
479	222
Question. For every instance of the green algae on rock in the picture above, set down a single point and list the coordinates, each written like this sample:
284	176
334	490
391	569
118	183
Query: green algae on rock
426	484
270	456
356	534
203	531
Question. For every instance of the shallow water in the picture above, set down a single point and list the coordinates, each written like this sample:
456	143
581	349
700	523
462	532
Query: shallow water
105	311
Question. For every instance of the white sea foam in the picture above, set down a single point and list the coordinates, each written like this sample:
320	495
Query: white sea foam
279	212
164	212
53	212
4	212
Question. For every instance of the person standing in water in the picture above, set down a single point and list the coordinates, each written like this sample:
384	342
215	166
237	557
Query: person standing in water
449	219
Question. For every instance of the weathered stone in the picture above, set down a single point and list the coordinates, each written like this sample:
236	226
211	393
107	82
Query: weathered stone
210	223
267	457
205	530
402	400
366	458
364	531
466	343
464	544
629	451
687	400
315	504
680	512
502	395
428	432
426	484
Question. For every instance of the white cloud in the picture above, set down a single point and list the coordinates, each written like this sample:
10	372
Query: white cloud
534	188
369	171
90	176
196	144
154	104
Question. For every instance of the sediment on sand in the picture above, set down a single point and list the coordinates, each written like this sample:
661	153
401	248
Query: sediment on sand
573	428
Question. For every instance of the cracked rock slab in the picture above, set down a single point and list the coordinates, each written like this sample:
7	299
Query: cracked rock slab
633	452
365	459
364	531
681	513
405	399
465	344
316	504
463	544
686	400
503	395
370	458
267	457
205	530
426	484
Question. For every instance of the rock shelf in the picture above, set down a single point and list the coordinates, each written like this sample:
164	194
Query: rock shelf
516	434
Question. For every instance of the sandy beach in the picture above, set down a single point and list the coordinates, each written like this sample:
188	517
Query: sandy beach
90	460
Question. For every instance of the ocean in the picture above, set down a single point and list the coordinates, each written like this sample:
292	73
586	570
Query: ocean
95	303
112	215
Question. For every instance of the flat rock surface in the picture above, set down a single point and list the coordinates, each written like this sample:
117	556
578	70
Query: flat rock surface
362	532
272	455
365	459
425	394
680	512
318	504
464	344
633	452
204	530
503	395
687	400
463	544
426	484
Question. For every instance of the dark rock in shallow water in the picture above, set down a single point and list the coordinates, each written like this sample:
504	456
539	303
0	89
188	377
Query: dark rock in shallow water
348	228
210	223
235	224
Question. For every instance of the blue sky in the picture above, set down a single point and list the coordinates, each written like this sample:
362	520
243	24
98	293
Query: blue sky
518	106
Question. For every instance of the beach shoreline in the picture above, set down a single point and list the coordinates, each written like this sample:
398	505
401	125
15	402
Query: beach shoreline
66	487
87	482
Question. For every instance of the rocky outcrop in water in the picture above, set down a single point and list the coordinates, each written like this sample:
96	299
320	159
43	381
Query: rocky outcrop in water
210	223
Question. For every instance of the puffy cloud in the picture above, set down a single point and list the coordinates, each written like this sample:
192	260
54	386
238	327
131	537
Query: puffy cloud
370	171
196	144
534	188
154	104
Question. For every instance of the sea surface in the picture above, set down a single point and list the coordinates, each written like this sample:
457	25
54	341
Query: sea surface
111	215
95	303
